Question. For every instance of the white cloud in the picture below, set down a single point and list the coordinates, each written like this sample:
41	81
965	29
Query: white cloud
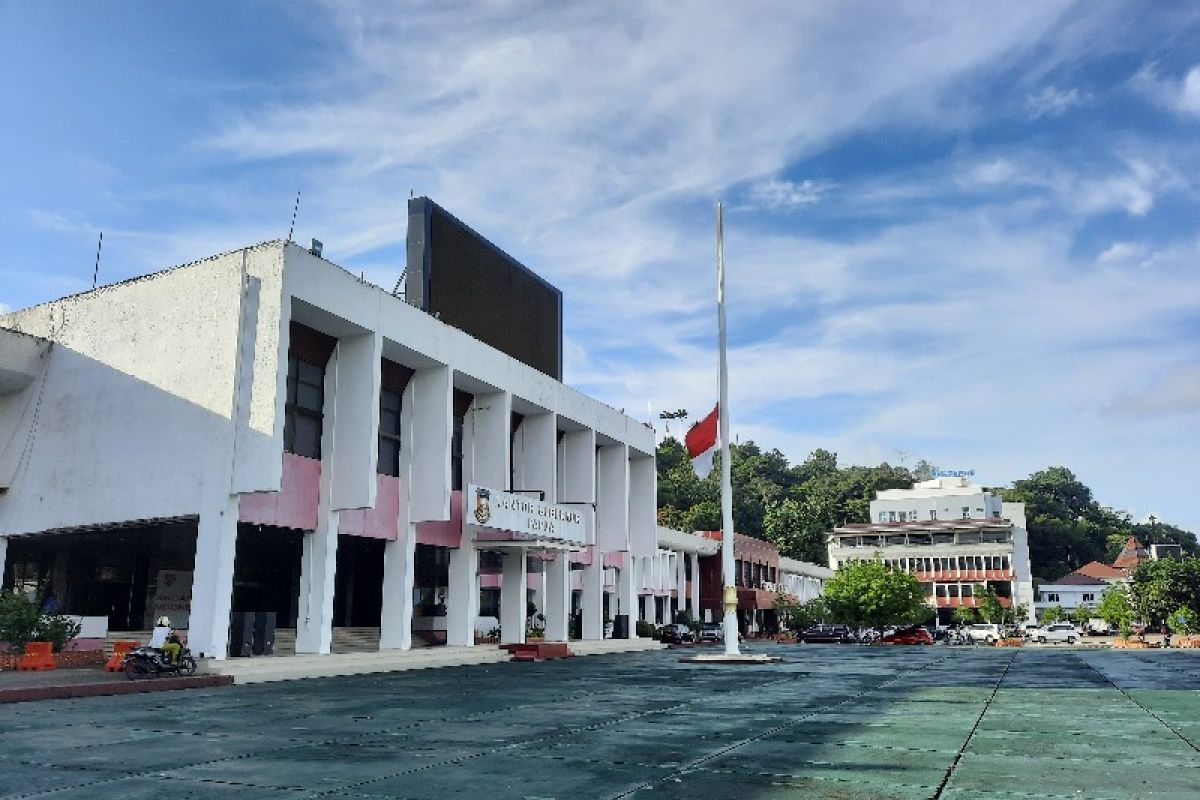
1052	102
782	194
1179	95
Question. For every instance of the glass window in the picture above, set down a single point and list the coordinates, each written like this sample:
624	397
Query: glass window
933	514
389	433
966	512
303	408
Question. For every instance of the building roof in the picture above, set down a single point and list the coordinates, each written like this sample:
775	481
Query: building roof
1075	579
1131	555
793	566
1096	569
974	524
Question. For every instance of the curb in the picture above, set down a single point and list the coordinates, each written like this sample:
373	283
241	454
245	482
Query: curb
32	693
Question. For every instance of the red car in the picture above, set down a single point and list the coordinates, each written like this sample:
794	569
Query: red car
914	635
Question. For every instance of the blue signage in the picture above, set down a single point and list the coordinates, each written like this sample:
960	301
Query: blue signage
954	473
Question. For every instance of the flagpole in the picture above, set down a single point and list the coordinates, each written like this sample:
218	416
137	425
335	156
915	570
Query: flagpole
727	562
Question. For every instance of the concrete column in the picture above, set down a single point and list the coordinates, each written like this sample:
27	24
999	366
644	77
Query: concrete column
318	563
695	599
355	419
648	608
513	583
593	598
3	555
539	587
212	578
463	599
626	596
681	581
558	598
428	417
643	505
395	622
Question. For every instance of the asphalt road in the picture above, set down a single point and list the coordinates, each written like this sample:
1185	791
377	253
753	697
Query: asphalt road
832	721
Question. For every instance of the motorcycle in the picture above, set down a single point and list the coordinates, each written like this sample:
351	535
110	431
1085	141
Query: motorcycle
143	661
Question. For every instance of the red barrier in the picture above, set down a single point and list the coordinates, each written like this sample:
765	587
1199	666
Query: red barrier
38	656
120	648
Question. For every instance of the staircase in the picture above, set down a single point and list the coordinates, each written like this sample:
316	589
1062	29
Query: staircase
345	640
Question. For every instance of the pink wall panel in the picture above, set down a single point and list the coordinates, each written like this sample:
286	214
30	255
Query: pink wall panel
380	522
294	505
444	534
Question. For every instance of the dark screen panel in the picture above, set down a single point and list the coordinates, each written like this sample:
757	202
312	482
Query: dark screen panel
476	287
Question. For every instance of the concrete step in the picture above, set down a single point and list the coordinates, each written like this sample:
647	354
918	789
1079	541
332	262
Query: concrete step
263	670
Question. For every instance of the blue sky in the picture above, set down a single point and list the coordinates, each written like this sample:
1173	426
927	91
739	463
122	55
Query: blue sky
965	232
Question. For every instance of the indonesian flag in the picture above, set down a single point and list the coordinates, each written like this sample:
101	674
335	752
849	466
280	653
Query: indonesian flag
701	442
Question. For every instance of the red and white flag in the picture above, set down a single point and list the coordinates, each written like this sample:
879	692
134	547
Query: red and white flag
701	442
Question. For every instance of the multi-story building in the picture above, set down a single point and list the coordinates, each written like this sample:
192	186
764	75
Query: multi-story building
264	431
953	535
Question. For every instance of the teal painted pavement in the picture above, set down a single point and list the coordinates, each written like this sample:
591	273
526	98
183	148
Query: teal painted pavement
830	722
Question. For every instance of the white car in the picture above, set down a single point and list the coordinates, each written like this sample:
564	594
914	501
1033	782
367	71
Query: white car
1057	632
985	632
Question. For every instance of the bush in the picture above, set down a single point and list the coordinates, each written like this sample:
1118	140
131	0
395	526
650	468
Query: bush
646	630
21	622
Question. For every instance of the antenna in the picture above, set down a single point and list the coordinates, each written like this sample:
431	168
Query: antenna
295	211
96	269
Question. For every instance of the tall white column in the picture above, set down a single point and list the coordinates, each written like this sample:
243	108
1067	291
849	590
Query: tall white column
648	608
695	600
318	564
539	586
463	600
395	621
513	583
558	597
681	581
593	598
626	596
212	578
3	555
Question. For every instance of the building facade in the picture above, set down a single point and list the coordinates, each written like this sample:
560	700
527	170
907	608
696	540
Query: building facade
954	536
263	431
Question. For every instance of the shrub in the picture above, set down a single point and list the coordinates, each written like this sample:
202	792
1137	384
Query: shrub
646	630
21	622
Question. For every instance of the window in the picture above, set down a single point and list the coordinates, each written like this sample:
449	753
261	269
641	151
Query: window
933	514
995	515
883	516
389	433
966	512
1089	598
891	516
489	602
303	409
1052	597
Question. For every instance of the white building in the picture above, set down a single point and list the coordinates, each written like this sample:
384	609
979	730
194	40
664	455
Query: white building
804	580
264	431
1072	591
953	535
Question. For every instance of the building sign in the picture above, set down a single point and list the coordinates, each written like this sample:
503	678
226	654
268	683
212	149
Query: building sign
173	596
954	473
522	516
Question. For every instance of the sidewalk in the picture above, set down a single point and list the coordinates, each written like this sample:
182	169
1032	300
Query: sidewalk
288	668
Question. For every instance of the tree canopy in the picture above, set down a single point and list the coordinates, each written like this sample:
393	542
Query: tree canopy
873	594
1068	528
795	506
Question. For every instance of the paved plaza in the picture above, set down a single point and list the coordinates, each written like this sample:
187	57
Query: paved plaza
831	722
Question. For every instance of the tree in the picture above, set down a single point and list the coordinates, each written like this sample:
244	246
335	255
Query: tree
1157	588
1081	614
872	594
1115	608
1053	614
965	615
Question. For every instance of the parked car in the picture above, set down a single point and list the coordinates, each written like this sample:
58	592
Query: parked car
1058	632
825	633
711	632
1031	630
912	635
1099	627
984	632
676	633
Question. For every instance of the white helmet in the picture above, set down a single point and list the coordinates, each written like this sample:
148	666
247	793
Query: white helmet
163	622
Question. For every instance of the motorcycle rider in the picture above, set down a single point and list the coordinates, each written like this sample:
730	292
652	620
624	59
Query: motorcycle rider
166	639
